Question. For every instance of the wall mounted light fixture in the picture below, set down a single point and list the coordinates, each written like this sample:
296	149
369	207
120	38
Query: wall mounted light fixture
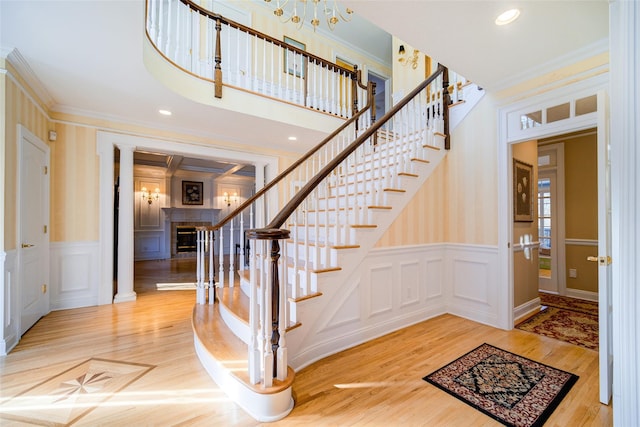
229	199
150	197
406	60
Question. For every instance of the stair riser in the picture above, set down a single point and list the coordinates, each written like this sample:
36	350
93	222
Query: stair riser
341	216
318	256
343	235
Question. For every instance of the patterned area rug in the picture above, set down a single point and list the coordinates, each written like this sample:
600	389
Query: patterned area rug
566	319
65	398
573	304
511	389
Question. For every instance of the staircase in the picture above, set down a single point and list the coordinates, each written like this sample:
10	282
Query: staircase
342	198
276	277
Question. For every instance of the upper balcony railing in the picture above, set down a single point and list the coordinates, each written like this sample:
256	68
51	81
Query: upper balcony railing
228	54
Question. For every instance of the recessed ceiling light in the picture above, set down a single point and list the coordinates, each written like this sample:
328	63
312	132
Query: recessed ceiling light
164	112
507	17
292	138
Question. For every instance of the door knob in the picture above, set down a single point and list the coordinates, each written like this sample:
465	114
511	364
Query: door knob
601	260
26	245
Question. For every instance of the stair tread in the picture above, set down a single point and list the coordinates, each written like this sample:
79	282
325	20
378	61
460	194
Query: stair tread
236	301
229	350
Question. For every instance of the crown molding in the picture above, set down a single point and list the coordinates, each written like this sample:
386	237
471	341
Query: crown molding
181	134
26	73
586	52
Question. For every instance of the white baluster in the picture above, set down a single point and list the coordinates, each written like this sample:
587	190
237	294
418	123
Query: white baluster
295	285
195	54
152	20
161	25
209	243
327	257
232	254
221	270
281	374
307	256
199	282
242	243
264	67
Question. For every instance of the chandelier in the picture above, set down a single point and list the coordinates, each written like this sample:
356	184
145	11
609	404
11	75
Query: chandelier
332	12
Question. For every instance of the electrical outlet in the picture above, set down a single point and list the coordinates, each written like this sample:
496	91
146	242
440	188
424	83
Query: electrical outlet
573	273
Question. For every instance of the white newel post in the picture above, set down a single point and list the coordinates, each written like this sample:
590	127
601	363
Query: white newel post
125	225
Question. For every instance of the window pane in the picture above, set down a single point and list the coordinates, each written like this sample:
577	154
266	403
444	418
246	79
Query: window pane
559	112
586	105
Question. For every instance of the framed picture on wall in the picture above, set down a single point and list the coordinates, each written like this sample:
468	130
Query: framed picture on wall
294	62
192	193
522	191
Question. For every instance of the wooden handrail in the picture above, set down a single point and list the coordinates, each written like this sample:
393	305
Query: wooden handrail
302	194
286	172
238	26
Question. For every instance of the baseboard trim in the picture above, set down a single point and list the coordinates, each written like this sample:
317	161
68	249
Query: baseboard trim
580	294
526	310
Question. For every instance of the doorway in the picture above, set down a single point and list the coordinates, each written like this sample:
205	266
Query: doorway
266	168
577	107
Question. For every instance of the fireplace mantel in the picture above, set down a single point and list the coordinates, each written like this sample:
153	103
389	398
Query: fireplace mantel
191	214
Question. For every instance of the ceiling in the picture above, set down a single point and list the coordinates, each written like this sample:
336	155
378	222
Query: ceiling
462	34
87	55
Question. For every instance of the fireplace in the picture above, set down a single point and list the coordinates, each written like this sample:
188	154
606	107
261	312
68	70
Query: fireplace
185	238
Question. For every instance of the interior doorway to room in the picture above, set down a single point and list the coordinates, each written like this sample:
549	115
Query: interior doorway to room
383	86
382	91
164	224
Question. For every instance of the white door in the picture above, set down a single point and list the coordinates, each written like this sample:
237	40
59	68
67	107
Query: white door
603	258
33	223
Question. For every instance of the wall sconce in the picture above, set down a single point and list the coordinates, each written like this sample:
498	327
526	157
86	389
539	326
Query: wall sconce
405	60
150	197
228	199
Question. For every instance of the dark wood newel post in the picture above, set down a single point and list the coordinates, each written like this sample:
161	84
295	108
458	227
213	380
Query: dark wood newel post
217	77
446	100
275	235
275	303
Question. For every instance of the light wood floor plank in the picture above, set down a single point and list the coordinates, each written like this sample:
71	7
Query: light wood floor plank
378	383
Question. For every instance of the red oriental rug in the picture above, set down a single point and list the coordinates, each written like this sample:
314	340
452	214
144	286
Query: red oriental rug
566	319
511	389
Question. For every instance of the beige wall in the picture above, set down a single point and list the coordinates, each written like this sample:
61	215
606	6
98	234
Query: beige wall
74	161
74	184
459	202
581	209
525	271
20	108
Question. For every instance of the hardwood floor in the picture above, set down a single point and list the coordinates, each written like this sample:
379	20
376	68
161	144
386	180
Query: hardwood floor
377	383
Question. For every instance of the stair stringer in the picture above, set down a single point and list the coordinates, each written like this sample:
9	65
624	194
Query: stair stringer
320	317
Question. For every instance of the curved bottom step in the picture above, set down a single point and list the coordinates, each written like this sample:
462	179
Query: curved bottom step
224	357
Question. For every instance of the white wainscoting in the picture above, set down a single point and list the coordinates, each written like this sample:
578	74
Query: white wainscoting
473	282
74	275
150	245
10	320
394	288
